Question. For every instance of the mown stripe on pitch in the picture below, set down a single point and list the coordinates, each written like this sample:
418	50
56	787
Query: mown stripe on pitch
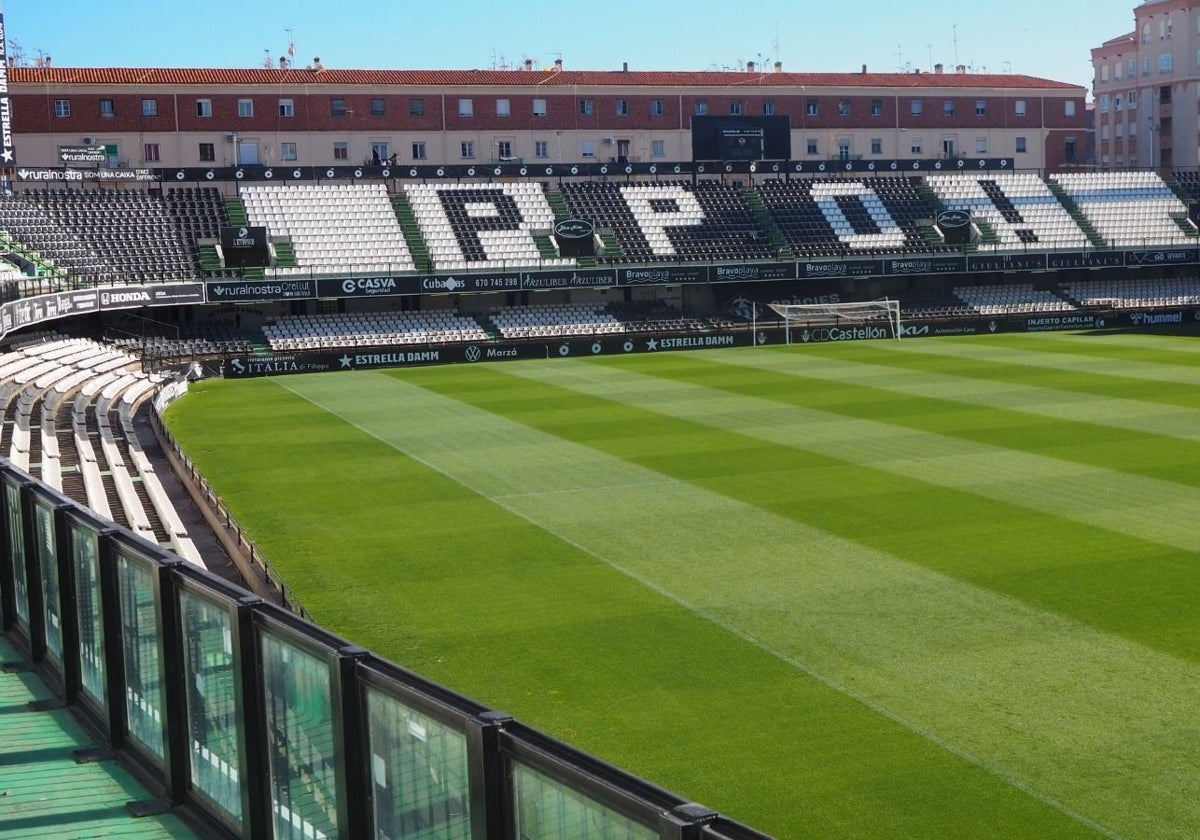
1061	709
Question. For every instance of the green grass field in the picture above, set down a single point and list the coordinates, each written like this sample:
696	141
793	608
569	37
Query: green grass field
930	589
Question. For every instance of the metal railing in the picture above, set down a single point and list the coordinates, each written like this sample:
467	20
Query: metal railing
255	722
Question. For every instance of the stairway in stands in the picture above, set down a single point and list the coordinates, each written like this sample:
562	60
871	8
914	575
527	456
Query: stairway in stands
412	233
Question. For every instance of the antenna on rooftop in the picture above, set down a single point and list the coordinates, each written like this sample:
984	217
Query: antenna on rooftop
267	63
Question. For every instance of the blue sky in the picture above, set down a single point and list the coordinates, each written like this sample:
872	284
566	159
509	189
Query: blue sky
1048	39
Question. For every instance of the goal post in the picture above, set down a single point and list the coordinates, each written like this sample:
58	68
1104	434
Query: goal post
883	314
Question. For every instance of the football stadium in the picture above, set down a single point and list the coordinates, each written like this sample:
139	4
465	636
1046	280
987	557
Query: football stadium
544	454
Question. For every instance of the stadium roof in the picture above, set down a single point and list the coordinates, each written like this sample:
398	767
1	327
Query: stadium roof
513	78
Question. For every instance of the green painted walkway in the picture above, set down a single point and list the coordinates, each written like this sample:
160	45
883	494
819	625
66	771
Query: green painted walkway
43	792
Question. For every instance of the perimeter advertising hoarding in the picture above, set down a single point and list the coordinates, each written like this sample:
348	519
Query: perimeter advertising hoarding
359	358
151	294
245	291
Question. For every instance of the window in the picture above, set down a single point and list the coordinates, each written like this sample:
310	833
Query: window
876	145
208	152
1117	102
811	146
245	108
503	108
916	146
1102	104
337	107
203	107
1131	99
62	107
768	107
844	148
735	107
587	107
1069	150
1164	63
1021	145
150	153
1104	132
1133	129
656	108
468	149
658	148
287	108
108	108
1164	95
466	107
287	151
149	107
917	107
1117	69
504	149
843	107
1069	107
981	145
380	151
701	107
539	107
622	107
377	107
1146	65
948	108
876	107
418	150
981	107
341	150
1146	33
588	149
541	149
1019	107
1119	131
811	108
1133	66
1104	72
948	147
416	107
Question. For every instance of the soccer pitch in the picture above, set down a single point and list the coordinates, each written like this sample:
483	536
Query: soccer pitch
933	588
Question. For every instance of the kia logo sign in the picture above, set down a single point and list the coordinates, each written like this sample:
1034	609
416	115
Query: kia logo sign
953	219
574	229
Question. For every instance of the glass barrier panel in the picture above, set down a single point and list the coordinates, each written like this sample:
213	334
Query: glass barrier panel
85	559
299	719
549	810
212	710
139	638
43	520
418	772
12	505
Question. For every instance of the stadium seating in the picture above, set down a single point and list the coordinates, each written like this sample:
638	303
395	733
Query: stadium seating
1018	207
334	228
1138	293
68	408
845	217
563	319
484	226
671	221
1012	299
1127	209
200	213
101	236
371	329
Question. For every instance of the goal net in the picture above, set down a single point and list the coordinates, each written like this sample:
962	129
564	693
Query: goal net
859	319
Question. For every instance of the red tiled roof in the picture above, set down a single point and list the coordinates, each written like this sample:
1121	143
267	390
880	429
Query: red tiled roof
245	77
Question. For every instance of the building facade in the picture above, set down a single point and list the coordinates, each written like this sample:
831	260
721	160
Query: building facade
320	116
1146	85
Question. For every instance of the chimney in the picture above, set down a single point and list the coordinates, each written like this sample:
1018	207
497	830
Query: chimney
778	66
528	64
558	65
283	62
939	68
960	68
749	66
864	69
624	66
